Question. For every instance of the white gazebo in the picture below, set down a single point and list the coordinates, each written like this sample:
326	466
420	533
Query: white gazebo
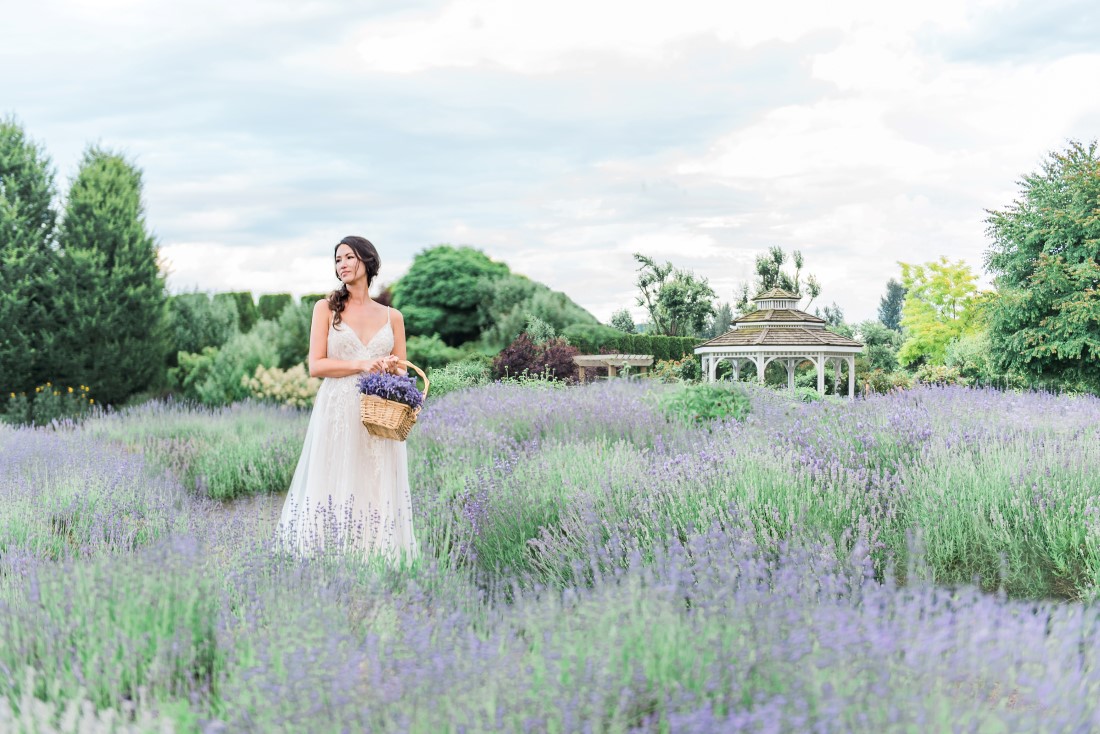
778	332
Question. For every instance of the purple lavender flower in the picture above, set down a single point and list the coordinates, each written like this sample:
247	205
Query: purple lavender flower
400	388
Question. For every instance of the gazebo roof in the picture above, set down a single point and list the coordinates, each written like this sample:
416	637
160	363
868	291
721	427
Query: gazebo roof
778	314
762	336
777	293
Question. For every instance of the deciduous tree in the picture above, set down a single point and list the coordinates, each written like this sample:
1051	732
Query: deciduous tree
940	305
679	302
770	274
442	289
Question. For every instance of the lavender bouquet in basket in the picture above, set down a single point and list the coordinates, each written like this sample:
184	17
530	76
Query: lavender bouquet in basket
399	388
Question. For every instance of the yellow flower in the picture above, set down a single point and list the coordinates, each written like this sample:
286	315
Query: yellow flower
91	401
38	389
13	396
55	392
70	390
49	384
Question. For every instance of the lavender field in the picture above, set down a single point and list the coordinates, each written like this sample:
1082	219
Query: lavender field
920	562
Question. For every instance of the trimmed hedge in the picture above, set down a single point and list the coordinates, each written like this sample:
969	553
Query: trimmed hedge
272	304
590	339
247	313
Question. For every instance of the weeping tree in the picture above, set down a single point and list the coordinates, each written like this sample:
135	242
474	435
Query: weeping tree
27	261
110	287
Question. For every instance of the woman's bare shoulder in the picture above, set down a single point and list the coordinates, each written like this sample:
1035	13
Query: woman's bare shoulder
322	307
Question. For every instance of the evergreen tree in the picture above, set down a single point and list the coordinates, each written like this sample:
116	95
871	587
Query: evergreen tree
720	323
111	288
27	261
1045	258
889	308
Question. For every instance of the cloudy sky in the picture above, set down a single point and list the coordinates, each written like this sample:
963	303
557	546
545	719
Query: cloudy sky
559	137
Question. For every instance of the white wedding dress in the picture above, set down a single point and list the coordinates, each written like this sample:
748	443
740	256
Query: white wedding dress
350	489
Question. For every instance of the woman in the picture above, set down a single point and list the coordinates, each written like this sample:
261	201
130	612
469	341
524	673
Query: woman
350	488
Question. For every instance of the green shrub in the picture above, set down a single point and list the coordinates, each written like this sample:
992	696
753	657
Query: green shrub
196	322
430	352
706	402
47	403
938	374
807	395
686	369
247	313
292	335
460	375
216	376
878	381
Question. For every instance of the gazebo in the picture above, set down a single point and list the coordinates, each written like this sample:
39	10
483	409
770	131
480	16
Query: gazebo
778	332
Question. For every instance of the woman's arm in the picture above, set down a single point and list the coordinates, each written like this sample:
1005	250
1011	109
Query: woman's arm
399	347
319	363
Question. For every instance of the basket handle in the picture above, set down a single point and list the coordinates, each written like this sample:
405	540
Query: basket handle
406	363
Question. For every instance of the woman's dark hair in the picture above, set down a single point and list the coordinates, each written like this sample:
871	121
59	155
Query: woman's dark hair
367	255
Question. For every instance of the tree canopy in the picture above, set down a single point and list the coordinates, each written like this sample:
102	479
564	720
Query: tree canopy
679	302
770	274
889	308
442	289
940	305
1044	258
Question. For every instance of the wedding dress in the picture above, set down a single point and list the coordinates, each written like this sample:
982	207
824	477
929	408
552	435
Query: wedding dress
350	489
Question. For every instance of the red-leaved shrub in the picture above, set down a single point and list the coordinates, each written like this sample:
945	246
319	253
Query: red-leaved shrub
554	356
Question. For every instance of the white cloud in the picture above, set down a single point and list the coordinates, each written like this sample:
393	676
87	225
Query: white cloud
558	137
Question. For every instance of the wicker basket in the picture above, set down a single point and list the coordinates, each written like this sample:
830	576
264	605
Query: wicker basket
389	418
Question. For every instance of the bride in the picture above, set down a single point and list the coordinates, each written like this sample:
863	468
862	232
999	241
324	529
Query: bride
351	489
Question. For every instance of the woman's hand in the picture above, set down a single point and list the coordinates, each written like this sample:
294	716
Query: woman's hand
382	364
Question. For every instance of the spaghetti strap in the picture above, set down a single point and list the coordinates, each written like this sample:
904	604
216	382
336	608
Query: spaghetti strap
389	316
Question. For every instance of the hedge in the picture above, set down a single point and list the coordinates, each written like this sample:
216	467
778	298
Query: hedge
272	304
594	339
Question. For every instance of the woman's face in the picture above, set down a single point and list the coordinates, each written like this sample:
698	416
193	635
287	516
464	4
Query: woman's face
348	266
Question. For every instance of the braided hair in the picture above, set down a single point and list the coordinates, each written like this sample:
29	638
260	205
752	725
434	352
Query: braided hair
367	255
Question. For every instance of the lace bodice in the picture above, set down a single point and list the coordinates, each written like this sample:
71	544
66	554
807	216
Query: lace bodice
343	343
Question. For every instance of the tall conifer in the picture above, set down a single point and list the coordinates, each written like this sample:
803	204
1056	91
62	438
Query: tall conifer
110	282
27	254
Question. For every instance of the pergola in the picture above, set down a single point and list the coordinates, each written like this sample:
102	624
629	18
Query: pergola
778	332
612	362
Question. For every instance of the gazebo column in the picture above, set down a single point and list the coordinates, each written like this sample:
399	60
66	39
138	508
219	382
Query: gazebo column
851	378
761	366
821	374
836	375
790	373
712	368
